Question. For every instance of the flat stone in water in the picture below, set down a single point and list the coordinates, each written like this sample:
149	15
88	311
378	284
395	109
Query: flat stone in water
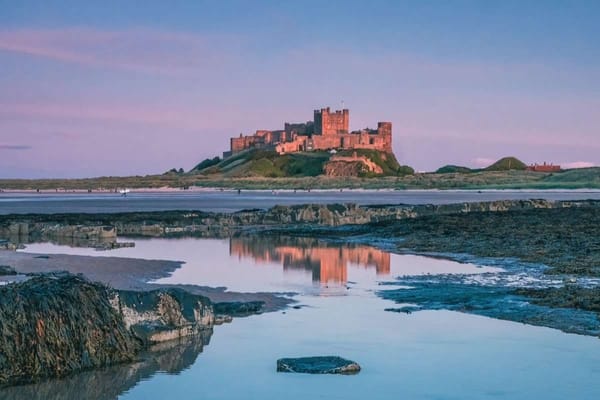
318	365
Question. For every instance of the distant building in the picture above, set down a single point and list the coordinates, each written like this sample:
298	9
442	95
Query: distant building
327	131
543	168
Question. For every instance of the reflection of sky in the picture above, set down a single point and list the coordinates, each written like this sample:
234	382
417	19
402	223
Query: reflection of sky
424	355
93	89
216	262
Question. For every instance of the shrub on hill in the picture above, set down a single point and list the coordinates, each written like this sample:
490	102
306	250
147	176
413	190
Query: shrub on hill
453	169
405	170
209	162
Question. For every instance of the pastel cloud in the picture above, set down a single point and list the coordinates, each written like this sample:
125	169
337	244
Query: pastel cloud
142	113
139	50
17	147
578	164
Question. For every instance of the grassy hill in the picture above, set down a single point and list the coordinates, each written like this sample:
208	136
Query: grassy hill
266	163
269	164
507	164
574	178
261	169
504	164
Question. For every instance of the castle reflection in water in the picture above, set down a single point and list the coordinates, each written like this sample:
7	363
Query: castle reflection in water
328	262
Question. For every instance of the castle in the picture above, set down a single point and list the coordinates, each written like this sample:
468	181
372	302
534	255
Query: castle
327	131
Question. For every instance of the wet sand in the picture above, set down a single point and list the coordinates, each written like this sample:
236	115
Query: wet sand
126	274
231	201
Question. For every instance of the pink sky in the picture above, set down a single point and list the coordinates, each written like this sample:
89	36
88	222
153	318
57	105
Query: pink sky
86	102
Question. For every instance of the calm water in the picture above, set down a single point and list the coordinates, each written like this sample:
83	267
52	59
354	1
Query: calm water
232	201
424	355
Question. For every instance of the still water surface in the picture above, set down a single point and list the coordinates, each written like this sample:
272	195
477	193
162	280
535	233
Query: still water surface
424	355
230	200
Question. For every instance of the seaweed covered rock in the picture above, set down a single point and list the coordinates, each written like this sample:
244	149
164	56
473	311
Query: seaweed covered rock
318	365
238	309
7	270
52	325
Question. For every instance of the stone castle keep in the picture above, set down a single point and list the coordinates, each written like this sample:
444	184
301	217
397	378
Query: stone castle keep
327	131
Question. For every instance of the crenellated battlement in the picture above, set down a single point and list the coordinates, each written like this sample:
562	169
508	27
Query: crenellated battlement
331	123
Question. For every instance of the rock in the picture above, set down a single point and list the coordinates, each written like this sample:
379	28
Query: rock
165	314
96	227
238	309
7	270
223	319
56	324
6	245
405	309
351	166
110	245
318	365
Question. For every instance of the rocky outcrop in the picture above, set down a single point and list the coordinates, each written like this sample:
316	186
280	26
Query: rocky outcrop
351	166
7	245
197	223
50	231
101	237
56	324
162	315
318	365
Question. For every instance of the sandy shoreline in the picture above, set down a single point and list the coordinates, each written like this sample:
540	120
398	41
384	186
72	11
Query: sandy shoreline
198	189
127	274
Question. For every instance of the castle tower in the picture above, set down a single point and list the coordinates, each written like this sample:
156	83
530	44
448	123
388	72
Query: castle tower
328	123
384	129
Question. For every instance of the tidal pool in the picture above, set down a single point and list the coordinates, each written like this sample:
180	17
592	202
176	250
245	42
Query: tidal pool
423	355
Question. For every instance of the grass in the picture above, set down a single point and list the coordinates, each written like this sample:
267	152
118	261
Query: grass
269	164
507	164
450	169
571	179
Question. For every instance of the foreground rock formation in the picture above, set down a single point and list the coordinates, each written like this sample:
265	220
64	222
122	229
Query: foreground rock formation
56	324
162	315
318	365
